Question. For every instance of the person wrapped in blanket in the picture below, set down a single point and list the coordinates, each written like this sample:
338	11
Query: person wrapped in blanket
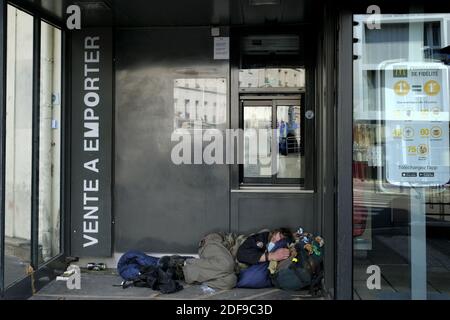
265	252
265	247
260	250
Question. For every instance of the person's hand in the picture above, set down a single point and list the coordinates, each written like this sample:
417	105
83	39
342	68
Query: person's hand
279	255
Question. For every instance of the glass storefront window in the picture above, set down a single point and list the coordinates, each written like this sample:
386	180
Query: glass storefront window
18	160
272	78
401	161
289	155
257	125
50	143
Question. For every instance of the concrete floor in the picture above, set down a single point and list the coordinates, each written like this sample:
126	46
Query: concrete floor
390	253
15	269
102	285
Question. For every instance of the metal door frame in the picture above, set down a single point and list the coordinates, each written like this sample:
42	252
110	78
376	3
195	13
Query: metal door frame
26	286
273	101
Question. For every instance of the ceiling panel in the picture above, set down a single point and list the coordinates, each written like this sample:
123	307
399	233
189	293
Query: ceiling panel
146	13
171	12
53	8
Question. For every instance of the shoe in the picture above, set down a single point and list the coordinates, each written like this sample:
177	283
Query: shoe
96	266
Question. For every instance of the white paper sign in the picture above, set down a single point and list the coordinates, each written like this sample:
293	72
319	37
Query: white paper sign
416	105
221	48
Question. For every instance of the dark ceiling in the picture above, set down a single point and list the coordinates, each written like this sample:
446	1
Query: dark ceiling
147	13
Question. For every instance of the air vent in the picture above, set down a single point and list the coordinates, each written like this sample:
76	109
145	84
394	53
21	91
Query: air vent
93	5
264	2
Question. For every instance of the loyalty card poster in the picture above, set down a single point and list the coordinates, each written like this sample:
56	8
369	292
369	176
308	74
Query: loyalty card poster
416	107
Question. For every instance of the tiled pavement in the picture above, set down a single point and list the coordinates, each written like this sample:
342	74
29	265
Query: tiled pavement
104	286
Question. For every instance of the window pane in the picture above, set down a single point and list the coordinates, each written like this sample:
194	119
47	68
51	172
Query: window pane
289	155
272	78
257	142
18	144
401	191
50	143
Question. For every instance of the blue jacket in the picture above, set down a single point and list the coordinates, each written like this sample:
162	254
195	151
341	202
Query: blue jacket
131	262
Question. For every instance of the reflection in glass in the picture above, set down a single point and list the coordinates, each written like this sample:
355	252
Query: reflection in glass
289	156
403	230
50	143
200	101
272	78
18	144
257	142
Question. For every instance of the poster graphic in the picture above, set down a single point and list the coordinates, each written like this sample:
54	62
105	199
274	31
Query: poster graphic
416	108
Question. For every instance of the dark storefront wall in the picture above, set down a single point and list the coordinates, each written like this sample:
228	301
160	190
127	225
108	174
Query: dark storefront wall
159	206
251	212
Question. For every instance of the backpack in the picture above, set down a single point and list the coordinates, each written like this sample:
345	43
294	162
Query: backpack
304	270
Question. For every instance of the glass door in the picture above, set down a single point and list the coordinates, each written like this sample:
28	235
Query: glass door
33	157
49	226
18	161
401	157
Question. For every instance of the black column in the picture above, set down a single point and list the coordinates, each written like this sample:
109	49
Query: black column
3	31
35	146
344	219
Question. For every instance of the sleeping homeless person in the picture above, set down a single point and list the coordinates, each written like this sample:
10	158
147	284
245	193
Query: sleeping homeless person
261	253
265	247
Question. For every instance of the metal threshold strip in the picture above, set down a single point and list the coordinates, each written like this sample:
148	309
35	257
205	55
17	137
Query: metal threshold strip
262	189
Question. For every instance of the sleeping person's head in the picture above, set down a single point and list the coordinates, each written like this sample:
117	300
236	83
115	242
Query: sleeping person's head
276	236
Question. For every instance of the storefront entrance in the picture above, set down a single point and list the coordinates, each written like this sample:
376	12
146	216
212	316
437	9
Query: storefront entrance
124	94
